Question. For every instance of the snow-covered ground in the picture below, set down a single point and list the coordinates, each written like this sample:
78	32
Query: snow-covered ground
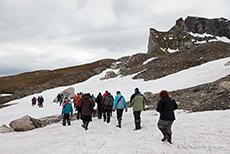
201	132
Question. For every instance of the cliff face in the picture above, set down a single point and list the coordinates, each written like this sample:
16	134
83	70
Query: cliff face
183	35
217	27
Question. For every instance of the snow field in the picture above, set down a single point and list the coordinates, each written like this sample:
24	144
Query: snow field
201	132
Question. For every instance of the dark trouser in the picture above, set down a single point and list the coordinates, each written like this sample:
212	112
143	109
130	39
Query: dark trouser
119	114
40	104
99	111
166	125
107	113
79	115
137	119
66	117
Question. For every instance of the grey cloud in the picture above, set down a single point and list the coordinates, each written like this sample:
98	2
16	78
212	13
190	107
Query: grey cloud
44	31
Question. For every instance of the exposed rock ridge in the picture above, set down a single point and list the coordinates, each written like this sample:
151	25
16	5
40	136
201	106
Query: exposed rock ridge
179	37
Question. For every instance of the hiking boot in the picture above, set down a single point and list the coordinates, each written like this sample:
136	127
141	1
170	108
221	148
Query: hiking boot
169	138
86	125
165	135
119	123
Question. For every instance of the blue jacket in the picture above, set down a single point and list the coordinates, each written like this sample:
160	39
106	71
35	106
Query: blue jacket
121	104
67	108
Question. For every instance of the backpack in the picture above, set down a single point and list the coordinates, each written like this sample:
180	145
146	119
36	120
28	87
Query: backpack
109	101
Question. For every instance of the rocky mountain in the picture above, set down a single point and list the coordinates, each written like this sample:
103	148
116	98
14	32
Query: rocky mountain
147	66
162	65
29	83
189	33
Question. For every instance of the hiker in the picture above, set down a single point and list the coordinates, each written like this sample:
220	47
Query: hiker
58	97
106	93
40	101
65	99
76	99
61	98
87	106
98	101
107	106
79	107
166	107
33	100
138	102
66	110
119	105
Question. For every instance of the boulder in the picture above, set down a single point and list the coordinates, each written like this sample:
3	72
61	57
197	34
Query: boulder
197	88
108	75
68	91
22	124
6	129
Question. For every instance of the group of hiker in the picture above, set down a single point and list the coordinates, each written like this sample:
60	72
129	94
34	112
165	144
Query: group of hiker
40	101
84	105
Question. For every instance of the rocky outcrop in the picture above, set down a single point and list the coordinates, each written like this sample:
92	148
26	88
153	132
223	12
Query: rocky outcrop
108	75
28	123
68	91
217	27
6	129
172	63
22	124
179	37
211	96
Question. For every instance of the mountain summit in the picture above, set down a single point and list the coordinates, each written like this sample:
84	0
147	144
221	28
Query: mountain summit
189	33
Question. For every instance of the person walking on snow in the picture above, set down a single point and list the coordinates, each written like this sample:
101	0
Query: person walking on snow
106	93
87	107
98	100
34	100
40	101
66	110
138	102
76	99
119	104
107	106
166	107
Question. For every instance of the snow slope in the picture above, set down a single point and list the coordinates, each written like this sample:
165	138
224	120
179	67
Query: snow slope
201	132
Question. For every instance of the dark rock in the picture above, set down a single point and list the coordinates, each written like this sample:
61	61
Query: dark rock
179	37
197	88
213	96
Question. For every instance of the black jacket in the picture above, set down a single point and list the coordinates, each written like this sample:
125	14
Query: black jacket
99	99
166	107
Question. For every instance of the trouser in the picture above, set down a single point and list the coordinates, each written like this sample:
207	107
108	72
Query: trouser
66	118
166	125
108	114
99	112
79	113
119	114
137	119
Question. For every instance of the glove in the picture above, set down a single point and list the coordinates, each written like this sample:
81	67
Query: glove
126	110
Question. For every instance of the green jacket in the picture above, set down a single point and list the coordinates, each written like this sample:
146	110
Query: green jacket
138	102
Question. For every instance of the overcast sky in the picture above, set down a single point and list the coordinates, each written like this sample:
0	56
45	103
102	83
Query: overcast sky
51	34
